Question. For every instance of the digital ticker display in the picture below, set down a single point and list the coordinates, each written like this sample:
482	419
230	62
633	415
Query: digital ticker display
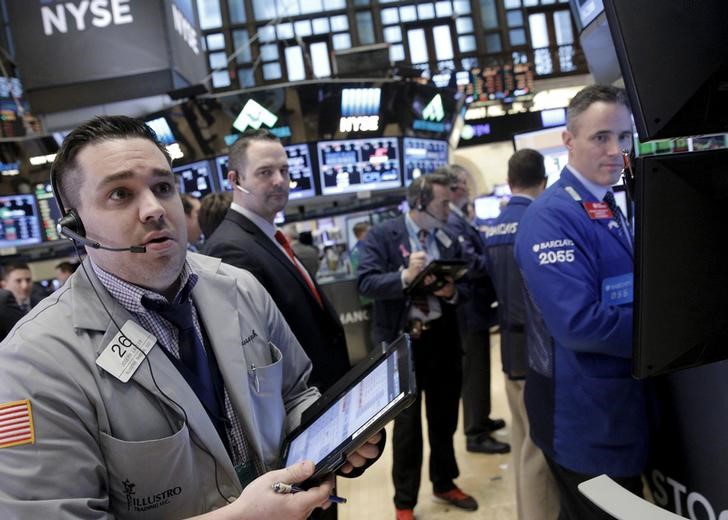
353	165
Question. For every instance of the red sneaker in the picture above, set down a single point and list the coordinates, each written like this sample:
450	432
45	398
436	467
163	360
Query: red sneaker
405	514
457	498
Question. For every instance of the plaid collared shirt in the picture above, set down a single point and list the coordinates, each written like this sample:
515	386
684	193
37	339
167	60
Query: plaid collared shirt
130	297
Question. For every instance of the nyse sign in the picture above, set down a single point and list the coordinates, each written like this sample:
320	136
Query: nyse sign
65	16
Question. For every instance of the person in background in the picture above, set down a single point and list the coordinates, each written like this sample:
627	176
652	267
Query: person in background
475	317
308	254
10	313
360	231
575	250
64	270
213	208
191	207
392	255
18	279
191	424
536	493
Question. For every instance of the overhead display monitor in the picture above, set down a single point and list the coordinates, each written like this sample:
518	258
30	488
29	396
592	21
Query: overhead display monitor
692	38
300	170
19	222
355	165
586	11
422	156
195	178
162	129
47	210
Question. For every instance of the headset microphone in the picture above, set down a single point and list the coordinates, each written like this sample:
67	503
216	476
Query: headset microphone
440	220
244	190
63	230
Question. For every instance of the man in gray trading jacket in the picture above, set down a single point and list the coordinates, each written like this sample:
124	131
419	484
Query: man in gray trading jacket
90	427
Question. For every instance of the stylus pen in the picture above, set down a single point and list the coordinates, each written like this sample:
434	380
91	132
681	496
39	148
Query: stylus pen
284	489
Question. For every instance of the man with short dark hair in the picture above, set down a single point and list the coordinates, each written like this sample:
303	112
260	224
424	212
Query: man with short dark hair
18	279
191	207
392	255
156	382
64	270
575	250
249	239
536	494
475	316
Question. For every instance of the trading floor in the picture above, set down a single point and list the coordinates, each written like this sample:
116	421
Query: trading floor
489	478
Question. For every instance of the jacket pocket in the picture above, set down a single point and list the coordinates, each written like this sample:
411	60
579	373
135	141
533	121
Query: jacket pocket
152	479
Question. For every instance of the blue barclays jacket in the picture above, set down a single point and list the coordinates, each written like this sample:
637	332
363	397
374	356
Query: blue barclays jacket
585	409
384	253
476	313
500	238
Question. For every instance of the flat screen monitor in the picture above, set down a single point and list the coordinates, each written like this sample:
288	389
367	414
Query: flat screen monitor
19	221
422	156
586	11
48	210
489	206
692	38
195	178
358	165
162	129
681	273
300	169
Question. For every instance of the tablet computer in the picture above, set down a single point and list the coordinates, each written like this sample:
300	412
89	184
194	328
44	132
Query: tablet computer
360	404
441	269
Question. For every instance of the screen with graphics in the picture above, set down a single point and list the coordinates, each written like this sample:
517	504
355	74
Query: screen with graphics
358	165
422	156
47	210
300	169
195	178
19	222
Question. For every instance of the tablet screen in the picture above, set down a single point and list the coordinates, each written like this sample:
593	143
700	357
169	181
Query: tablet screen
351	414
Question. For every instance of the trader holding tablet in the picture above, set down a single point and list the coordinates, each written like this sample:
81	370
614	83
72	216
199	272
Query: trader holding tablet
392	255
156	383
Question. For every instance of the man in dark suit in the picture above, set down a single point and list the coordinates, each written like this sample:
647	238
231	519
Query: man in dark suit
10	313
476	317
18	279
247	238
392	255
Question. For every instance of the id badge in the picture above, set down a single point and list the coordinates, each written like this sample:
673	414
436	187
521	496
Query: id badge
618	290
598	210
126	351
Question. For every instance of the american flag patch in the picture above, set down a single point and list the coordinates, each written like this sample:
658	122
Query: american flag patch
16	424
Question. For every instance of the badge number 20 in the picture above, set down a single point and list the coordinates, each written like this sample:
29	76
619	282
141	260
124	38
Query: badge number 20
554	257
121	347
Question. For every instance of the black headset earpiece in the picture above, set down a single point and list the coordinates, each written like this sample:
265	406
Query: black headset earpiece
69	218
72	222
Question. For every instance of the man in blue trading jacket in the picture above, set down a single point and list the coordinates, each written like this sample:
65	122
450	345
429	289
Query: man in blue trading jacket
475	317
536	494
392	255
574	248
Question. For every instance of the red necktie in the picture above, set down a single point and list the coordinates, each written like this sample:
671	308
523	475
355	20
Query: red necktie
283	241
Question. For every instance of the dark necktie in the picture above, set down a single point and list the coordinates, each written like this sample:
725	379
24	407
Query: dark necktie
618	217
283	241
191	350
25	307
420	300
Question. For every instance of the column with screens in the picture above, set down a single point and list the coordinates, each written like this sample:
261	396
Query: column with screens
195	178
19	221
422	156
349	166
300	170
